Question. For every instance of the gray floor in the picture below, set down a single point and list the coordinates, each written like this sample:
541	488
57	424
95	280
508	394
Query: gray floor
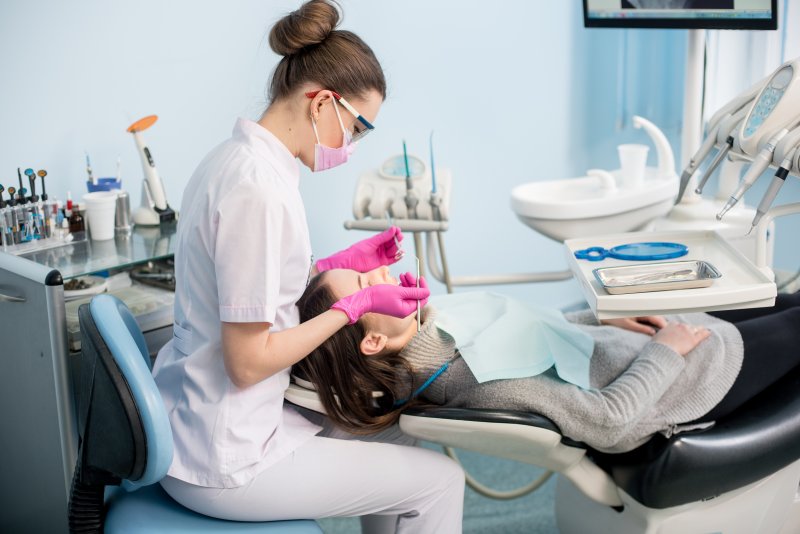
532	514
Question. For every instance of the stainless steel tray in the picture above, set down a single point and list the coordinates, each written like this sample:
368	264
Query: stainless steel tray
662	276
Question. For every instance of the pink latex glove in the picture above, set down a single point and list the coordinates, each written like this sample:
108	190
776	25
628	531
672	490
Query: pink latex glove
386	299
409	280
367	254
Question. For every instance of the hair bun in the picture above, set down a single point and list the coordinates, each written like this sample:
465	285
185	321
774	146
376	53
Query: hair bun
307	26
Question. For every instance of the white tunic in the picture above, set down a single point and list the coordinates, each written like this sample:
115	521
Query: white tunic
243	255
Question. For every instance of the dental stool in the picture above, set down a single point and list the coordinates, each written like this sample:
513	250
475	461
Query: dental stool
125	438
739	476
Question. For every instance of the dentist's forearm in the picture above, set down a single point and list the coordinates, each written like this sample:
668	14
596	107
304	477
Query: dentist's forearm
252	353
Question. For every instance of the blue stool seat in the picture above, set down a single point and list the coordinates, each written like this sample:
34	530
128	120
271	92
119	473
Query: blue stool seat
149	510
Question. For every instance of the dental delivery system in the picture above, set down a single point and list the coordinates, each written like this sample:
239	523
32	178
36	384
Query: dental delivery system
154	209
762	125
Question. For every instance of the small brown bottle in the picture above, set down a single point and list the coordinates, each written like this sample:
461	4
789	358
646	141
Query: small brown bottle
77	227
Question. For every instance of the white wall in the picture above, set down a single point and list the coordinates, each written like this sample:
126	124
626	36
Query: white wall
493	81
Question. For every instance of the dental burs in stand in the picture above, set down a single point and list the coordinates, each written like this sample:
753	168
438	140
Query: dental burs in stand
759	165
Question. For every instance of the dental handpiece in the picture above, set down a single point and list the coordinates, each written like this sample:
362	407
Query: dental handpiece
725	130
772	191
696	160
759	165
714	164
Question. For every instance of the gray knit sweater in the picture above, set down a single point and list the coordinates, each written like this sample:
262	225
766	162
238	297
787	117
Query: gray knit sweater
638	387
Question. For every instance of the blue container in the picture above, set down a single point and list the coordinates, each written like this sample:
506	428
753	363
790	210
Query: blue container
104	184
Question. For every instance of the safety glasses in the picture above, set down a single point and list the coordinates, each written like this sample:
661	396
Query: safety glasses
361	126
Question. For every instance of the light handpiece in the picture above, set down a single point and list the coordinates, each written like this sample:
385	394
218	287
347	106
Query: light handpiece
760	163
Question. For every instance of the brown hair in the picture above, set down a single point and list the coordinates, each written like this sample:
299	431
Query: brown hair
339	370
314	51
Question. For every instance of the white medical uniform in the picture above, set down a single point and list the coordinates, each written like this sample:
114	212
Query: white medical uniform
243	255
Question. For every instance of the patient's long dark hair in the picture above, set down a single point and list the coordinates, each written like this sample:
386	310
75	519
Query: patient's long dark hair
337	367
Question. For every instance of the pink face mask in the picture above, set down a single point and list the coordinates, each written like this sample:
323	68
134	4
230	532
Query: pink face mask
326	157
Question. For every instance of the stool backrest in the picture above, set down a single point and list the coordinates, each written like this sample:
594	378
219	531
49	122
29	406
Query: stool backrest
121	336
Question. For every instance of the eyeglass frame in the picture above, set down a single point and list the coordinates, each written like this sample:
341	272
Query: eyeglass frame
359	117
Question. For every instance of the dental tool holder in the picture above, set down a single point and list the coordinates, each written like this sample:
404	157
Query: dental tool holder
760	126
378	194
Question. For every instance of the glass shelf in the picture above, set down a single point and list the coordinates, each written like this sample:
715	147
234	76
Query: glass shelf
80	258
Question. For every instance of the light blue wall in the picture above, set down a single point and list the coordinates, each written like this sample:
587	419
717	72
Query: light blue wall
515	90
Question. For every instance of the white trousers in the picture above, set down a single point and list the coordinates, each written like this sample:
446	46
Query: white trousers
339	478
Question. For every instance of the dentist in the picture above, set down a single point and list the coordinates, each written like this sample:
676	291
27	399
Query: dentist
243	259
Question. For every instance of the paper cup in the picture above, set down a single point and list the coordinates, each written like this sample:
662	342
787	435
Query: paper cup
100	208
633	161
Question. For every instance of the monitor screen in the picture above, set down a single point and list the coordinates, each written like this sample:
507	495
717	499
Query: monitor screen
708	14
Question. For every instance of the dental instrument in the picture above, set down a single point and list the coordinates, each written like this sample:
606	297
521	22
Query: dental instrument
21	187
435	201
759	165
153	209
31	180
411	202
772	191
419	315
719	125
411	199
725	138
89	175
119	163
400	253
42	173
11	191
723	151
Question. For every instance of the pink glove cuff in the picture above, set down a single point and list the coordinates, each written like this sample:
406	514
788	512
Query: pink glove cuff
324	265
343	306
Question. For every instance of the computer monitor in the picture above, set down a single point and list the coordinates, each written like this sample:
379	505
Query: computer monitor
682	14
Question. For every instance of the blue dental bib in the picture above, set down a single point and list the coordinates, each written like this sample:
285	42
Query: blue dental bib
500	337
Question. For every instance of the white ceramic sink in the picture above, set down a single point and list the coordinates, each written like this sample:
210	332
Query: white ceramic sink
580	207
593	205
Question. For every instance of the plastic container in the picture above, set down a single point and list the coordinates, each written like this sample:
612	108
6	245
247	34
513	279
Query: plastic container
104	184
100	209
632	160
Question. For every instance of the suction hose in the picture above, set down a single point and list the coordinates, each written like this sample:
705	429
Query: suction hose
85	506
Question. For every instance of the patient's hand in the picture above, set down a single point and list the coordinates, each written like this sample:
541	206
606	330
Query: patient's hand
681	337
645	325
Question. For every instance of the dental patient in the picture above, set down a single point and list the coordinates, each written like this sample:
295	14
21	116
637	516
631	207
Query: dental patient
609	384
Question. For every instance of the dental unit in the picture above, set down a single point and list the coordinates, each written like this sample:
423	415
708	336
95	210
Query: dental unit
748	462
